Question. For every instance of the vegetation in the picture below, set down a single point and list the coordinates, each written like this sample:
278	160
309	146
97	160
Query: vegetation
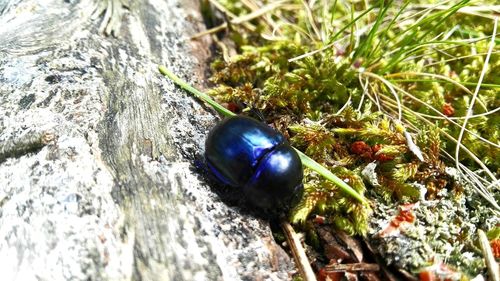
412	87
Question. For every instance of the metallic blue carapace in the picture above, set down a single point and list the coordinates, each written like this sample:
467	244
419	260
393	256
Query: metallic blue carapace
245	153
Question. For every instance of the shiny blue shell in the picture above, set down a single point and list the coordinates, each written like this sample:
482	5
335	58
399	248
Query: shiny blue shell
244	153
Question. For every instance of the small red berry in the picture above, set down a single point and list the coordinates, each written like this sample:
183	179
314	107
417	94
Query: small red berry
380	157
426	276
383	157
233	107
448	109
361	148
357	63
495	247
319	219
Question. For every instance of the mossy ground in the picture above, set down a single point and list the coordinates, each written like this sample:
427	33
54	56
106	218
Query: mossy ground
380	93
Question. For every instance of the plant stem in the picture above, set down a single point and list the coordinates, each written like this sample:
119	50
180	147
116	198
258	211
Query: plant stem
202	96
299	254
313	165
490	261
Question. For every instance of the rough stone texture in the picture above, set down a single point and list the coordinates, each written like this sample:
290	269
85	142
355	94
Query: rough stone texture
97	152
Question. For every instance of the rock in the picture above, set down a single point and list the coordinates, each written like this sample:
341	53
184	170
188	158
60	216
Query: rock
97	152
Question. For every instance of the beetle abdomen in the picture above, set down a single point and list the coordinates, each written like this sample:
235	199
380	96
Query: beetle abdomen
276	180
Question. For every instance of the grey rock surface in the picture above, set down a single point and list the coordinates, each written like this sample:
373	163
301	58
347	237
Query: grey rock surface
97	151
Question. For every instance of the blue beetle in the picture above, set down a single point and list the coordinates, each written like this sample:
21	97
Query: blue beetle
244	153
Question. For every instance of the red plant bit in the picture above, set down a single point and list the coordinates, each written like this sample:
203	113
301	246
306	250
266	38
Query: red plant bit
357	63
395	223
383	157
380	157
426	276
323	275
453	75
495	247
439	271
233	107
404	217
319	219
448	109
361	148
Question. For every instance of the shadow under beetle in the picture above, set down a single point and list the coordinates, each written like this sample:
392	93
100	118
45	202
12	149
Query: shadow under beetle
244	153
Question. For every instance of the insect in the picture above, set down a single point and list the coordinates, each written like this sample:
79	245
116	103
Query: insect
244	153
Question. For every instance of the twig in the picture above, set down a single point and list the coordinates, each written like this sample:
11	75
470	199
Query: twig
352	267
299	255
491	264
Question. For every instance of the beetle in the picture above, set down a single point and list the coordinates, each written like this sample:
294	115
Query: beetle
244	153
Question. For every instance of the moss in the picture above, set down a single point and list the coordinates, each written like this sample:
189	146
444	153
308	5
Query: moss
349	82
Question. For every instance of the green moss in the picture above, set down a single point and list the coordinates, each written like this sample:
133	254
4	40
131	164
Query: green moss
348	81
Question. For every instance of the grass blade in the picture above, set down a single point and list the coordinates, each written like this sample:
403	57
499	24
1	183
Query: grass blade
202	96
